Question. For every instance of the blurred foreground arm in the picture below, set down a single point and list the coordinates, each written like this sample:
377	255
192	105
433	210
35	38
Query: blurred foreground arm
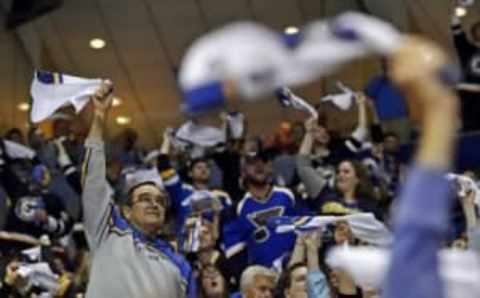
422	218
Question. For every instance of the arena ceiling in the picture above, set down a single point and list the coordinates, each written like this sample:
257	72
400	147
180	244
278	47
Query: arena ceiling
145	41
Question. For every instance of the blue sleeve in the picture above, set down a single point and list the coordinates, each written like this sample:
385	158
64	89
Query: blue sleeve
235	235
317	286
192	286
173	183
372	87
291	209
420	228
176	191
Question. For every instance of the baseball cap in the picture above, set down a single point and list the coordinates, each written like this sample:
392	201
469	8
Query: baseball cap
264	155
141	177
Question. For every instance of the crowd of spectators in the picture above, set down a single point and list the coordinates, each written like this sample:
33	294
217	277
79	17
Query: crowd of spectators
213	212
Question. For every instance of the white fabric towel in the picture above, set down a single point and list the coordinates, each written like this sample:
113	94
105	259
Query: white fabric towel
51	91
460	270
200	135
364	226
465	185
236	125
289	99
342	100
257	60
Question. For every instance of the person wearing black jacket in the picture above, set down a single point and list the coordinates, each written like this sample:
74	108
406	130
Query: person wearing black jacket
39	211
469	55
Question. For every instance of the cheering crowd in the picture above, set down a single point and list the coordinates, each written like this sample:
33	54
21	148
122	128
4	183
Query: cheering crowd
245	216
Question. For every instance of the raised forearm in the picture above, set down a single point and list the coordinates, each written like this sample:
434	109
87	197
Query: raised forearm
298	255
312	259
307	144
439	125
468	206
361	131
97	129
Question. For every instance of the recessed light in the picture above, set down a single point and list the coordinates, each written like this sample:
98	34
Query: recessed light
116	102
291	30
24	106
97	43
460	11
123	120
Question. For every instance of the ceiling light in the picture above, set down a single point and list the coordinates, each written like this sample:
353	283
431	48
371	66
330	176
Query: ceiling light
460	11
97	43
24	106
291	30
116	102
123	120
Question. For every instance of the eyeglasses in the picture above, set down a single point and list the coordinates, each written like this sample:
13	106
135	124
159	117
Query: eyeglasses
148	199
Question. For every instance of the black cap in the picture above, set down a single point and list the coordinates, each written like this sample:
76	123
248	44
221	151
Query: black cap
264	155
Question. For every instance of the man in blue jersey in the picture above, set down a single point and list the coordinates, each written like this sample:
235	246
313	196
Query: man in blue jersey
261	202
193	201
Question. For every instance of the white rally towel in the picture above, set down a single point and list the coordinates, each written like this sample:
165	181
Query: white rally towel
460	270
236	125
200	135
465	185
288	99
257	61
364	226
17	151
250	54
51	91
328	45
342	100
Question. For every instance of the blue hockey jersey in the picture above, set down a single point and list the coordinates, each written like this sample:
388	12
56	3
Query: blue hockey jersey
249	230
185	199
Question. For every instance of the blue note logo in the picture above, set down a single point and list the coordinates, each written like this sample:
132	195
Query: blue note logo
259	220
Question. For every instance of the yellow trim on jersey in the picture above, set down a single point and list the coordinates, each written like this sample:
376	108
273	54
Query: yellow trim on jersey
167	174
302	220
337	208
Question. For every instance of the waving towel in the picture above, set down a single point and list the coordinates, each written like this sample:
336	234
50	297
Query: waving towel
51	91
368	266
364	226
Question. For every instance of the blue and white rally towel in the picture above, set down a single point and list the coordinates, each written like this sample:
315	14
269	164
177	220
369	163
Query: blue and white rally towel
364	226
290	100
256	60
51	91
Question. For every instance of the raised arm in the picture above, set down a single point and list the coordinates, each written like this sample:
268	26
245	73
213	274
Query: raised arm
422	219
313	181
307	142
361	132
468	206
298	255
317	285
97	204
167	142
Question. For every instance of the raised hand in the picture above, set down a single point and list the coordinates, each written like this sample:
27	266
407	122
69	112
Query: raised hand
310	124
102	99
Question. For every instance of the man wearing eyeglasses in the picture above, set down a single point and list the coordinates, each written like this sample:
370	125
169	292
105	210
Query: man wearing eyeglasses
129	257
